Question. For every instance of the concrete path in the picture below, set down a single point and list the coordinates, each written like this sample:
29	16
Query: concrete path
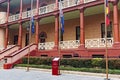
37	74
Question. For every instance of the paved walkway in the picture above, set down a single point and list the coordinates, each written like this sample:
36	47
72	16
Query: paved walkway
44	74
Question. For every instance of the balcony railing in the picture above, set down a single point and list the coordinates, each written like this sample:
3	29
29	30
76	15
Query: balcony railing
98	43
46	46
2	21
45	9
72	44
63	45
87	1
69	44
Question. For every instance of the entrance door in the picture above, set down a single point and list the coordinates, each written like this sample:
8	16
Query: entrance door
27	39
15	39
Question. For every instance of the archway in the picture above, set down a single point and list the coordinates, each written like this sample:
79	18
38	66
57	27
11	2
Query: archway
42	37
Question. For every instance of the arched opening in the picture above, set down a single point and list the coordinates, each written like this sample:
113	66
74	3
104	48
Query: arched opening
42	37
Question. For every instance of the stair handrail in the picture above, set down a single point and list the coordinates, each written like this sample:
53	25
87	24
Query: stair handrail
8	49
21	50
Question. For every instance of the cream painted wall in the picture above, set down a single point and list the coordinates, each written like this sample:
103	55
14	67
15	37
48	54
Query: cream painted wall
2	37
2	17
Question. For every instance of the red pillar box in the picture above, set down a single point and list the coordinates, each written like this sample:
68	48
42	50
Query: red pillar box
55	66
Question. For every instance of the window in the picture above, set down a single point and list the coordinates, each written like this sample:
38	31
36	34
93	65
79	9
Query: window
67	56
78	33
109	30
98	56
15	39
61	37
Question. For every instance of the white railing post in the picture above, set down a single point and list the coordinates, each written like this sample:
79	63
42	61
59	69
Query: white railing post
68	1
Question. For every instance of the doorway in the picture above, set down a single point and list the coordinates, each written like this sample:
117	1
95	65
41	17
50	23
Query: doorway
15	39
27	39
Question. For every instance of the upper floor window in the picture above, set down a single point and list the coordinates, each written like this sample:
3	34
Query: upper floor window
109	30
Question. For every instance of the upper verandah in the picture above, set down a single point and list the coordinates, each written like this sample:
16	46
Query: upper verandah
45	6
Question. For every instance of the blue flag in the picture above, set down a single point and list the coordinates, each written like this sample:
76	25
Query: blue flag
61	20
32	25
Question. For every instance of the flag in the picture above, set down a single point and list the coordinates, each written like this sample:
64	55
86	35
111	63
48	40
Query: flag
61	18
32	25
107	13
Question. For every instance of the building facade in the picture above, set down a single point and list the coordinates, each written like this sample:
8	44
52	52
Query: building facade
84	28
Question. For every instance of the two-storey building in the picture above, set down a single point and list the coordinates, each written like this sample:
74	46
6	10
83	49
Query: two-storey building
84	28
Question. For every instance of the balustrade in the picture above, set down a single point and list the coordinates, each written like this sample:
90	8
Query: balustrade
46	46
87	1
72	44
46	9
63	45
98	43
69	44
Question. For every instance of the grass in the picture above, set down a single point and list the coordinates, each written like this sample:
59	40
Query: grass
94	70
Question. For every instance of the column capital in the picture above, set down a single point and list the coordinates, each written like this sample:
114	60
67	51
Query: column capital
114	2
37	18
82	9
20	22
56	14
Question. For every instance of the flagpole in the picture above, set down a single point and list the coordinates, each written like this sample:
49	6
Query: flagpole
106	48
59	37
30	35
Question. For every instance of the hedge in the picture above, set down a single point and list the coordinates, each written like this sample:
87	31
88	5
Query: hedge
77	63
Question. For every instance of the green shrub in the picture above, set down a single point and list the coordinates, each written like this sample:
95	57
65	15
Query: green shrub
77	63
96	62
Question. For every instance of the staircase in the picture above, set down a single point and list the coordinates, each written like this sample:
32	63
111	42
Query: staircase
2	62
14	57
8	51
